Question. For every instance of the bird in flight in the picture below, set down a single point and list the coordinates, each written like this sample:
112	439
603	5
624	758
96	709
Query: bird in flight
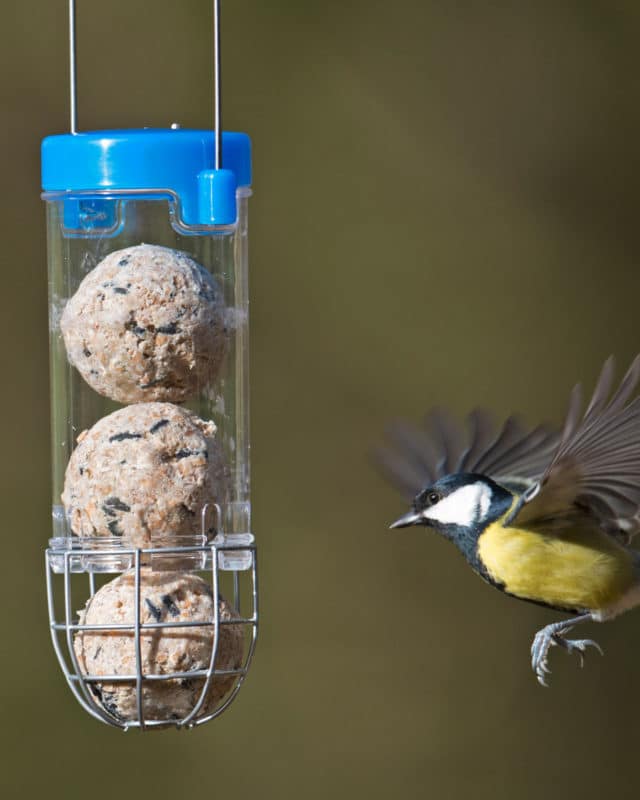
543	515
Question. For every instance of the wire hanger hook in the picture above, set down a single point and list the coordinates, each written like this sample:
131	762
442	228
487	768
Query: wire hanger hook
73	78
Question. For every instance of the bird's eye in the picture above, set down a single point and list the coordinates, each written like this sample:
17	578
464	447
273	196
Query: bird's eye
433	498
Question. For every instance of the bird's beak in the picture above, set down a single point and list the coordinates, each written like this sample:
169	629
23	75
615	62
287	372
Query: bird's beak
412	518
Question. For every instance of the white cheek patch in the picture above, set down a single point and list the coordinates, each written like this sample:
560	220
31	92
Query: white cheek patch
462	507
484	501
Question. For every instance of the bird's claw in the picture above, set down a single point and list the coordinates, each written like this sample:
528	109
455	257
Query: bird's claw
579	646
542	643
547	638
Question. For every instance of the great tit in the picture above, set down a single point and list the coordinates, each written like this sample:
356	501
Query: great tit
543	515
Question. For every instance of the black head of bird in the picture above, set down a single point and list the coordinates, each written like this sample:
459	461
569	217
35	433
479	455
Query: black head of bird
458	503
543	515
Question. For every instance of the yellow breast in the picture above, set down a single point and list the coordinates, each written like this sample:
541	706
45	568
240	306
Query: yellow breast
572	569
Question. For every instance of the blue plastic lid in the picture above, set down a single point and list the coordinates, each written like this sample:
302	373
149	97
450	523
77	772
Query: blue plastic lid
177	160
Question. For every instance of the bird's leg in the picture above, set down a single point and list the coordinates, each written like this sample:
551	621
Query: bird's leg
554	634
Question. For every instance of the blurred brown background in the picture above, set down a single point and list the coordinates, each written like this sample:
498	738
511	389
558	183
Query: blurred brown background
445	212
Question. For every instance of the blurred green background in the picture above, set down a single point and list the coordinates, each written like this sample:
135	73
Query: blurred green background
445	212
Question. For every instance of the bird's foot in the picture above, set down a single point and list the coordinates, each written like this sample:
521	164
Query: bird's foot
578	646
552	635
543	641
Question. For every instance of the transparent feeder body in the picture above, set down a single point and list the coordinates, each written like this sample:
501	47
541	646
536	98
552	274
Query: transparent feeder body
158	188
155	191
108	222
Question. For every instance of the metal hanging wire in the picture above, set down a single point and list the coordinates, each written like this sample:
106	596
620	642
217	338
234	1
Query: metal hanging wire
73	89
217	100
217	79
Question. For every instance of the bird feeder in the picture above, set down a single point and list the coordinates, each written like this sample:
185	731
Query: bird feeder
151	565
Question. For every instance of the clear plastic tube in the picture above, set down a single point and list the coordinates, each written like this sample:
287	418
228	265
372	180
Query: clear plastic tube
94	374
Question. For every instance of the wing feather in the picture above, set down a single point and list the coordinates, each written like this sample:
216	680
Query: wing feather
602	391
415	457
596	466
592	467
417	447
401	473
482	433
529	457
510	433
449	438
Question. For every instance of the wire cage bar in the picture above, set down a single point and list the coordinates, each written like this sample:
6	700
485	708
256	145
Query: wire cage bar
62	567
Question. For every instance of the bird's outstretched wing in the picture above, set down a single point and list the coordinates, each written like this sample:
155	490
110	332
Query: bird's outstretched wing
595	468
514	455
591	468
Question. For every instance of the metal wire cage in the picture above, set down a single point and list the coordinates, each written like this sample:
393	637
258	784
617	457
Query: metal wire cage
66	565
